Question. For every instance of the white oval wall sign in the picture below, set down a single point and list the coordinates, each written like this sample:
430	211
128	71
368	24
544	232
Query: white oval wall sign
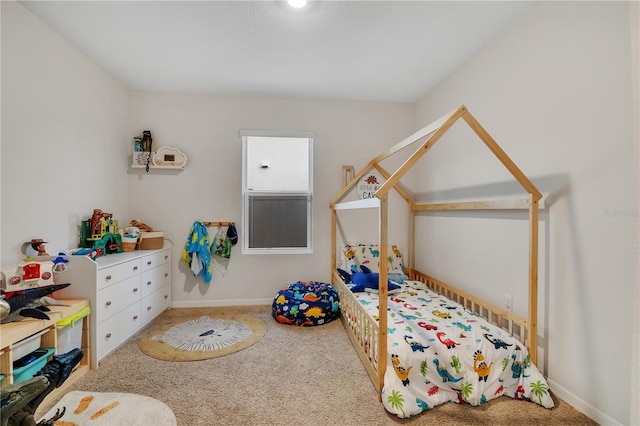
368	185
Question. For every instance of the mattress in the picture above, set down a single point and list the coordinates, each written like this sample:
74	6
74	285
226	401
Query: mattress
438	352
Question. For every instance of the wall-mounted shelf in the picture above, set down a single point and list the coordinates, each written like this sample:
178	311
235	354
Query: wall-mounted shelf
166	158
151	166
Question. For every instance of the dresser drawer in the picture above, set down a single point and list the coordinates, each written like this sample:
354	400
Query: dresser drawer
112	332
155	303
115	286
113	274
155	278
153	260
117	297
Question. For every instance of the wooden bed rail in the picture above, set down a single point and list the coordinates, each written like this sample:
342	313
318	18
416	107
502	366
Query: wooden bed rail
361	329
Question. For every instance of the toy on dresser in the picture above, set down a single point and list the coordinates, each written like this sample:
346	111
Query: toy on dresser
33	271
34	248
29	273
26	288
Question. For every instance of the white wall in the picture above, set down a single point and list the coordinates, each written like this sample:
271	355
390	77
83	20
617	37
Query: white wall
555	92
63	136
205	128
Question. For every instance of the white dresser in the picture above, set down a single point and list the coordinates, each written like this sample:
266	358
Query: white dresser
125	291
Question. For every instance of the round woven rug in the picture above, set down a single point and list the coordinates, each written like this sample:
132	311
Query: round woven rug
201	337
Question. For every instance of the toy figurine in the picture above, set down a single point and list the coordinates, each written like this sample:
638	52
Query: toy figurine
146	146
137	144
146	140
38	245
95	223
35	248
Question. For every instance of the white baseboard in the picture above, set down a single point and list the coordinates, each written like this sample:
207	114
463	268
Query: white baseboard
212	303
582	406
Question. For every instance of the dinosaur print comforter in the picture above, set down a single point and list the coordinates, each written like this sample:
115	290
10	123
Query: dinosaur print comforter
438	352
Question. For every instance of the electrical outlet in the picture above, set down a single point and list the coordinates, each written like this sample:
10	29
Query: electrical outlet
508	302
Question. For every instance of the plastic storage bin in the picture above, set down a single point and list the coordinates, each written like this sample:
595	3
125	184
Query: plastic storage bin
70	331
27	345
27	366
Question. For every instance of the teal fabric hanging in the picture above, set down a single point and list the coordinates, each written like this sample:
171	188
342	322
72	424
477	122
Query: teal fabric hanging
197	253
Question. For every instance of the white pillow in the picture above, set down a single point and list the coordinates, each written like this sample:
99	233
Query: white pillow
354	255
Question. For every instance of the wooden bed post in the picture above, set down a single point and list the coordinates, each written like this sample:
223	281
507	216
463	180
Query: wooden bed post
411	241
533	280
333	242
383	291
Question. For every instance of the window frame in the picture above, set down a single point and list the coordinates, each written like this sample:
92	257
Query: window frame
246	193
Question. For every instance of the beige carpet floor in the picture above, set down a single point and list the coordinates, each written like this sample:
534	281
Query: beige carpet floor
303	376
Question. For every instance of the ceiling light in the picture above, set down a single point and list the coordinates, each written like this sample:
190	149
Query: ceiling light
297	3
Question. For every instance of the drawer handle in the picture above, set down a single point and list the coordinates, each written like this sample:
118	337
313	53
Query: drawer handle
135	290
108	277
149	263
166	256
166	296
135	268
108	303
135	317
148	308
166	274
148	282
108	336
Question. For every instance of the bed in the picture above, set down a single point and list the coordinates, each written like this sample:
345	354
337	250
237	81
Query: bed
436	343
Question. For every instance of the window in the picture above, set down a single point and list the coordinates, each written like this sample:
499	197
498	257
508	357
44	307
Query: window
277	191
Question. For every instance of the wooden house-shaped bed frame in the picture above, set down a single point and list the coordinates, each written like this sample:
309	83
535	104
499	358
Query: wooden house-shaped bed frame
370	337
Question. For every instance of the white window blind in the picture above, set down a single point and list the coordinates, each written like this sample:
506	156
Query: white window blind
277	192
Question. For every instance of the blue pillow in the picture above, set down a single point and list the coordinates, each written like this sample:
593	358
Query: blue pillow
365	280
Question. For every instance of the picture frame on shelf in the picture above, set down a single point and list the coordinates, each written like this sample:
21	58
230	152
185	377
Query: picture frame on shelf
140	158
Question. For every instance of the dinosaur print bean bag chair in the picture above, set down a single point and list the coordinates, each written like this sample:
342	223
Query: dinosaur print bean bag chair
306	304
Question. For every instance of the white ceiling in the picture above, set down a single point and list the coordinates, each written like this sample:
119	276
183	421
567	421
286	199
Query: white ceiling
356	50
